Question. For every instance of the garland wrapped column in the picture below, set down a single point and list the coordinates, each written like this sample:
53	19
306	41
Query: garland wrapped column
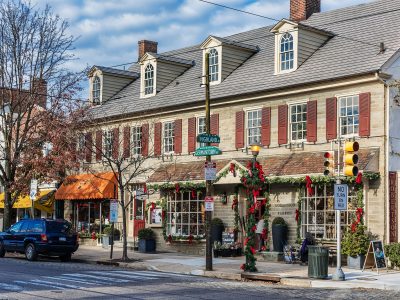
253	180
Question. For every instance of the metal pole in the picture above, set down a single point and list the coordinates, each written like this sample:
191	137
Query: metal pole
209	264
89	217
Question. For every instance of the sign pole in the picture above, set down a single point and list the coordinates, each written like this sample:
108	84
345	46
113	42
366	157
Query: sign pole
209	263
340	195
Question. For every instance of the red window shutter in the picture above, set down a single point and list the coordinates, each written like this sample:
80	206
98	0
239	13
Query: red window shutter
239	137
214	126
127	142
365	114
331	118
145	139
282	124
115	152
99	145
178	136
266	126
312	121
191	134
157	138
88	147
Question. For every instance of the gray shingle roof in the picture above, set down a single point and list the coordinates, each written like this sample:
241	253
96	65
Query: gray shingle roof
172	59
342	56
117	71
235	43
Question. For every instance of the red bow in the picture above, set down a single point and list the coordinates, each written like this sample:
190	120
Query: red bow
253	251
145	189
256	193
251	209
193	194
153	206
254	228
359	178
308	186
297	215
177	187
232	169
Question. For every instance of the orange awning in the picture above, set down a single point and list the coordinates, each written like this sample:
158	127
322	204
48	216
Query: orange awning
88	187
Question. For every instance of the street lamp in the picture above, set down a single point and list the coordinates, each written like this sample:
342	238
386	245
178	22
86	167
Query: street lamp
255	150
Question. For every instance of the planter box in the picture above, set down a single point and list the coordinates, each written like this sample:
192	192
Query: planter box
227	252
147	246
356	262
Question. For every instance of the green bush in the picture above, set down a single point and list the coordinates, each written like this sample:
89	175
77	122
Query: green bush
146	234
107	231
392	251
356	243
279	221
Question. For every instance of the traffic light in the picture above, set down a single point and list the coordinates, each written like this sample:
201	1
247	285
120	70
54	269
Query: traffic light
350	158
329	163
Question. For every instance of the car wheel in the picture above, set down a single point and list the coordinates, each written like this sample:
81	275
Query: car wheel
66	257
30	252
2	250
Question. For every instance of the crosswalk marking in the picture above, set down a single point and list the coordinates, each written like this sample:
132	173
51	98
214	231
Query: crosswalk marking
152	274
38	284
131	276
10	287
51	283
96	277
94	282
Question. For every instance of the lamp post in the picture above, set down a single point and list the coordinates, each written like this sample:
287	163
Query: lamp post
255	150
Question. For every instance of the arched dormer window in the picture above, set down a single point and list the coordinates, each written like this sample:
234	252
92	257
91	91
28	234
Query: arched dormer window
286	52
96	90
149	80
213	65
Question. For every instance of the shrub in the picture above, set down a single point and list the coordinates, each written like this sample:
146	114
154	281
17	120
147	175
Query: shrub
107	231
279	221
392	251
146	234
357	242
217	222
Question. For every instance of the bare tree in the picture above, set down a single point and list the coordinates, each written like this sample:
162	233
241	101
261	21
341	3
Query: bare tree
36	96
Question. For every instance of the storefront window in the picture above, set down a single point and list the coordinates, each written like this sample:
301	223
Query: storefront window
318	214
186	215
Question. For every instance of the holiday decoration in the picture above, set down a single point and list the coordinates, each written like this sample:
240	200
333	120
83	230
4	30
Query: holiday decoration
232	169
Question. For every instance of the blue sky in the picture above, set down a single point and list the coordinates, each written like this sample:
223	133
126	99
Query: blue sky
109	30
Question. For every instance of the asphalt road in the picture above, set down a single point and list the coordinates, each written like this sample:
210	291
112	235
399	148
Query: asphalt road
51	279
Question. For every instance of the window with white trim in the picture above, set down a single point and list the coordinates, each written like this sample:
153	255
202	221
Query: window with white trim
96	90
185	214
81	145
136	140
253	129
108	143
201	128
298	122
349	115
168	137
286	52
213	65
149	80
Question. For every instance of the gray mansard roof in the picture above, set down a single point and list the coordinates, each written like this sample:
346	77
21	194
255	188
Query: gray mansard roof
342	56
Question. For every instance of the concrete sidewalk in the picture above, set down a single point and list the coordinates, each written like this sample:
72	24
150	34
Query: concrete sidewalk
229	268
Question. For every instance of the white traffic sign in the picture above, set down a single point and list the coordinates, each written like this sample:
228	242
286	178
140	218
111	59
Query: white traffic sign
33	191
114	211
341	192
210	170
209	203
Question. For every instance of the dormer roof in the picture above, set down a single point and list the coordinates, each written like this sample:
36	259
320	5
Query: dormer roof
166	58
224	41
296	25
114	72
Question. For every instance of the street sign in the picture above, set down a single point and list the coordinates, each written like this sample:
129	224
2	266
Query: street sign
208	138
141	195
114	211
207	150
340	194
210	170
209	203
33	191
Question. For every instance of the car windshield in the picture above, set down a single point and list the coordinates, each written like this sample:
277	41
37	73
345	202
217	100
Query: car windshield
58	226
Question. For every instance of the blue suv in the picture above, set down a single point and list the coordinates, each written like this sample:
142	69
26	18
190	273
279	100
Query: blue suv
40	237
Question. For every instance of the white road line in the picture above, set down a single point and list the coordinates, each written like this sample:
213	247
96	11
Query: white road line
153	274
93	282
56	283
10	287
96	277
38	284
122	275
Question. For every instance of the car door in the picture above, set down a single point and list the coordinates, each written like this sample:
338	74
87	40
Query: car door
21	235
10	236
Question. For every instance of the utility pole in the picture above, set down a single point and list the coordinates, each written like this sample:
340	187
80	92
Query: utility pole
208	159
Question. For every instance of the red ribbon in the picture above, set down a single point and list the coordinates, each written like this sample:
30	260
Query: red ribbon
153	206
145	189
256	193
254	228
297	215
308	186
253	251
232	169
359	178
193	194
177	187
190	239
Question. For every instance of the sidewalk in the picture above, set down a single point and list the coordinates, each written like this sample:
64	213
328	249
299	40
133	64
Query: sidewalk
229	268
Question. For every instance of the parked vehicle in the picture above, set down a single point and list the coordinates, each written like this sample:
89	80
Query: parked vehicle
40	237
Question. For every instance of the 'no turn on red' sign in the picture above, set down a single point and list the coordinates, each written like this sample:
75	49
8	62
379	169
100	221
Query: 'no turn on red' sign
209	203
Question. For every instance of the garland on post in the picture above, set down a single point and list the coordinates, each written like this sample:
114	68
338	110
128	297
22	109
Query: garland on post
235	208
265	233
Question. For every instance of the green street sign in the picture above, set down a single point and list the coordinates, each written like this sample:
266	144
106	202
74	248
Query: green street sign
208	138
207	150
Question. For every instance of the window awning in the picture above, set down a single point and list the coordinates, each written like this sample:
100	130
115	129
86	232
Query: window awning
44	201
88	187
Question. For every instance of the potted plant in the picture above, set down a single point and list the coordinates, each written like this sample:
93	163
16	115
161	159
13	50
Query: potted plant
279	233
217	227
107	234
355	243
217	249
147	242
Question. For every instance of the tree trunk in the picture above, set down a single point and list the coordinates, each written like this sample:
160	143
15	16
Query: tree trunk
124	227
7	210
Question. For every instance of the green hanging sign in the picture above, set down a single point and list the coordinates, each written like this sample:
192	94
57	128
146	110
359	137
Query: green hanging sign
208	138
207	150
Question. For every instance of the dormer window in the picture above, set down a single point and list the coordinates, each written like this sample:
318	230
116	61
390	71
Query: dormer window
96	90
287	52
149	80
213	65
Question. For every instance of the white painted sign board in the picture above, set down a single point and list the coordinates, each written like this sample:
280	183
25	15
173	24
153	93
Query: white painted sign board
114	211
210	171
341	192
209	203
33	192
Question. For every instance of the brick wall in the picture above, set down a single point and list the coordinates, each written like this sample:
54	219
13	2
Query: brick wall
302	9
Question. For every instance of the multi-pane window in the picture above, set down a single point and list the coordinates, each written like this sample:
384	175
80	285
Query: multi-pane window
253	127
213	65
108	143
185	214
286	52
348	115
298	122
201	128
96	90
168	137
149	80
136	140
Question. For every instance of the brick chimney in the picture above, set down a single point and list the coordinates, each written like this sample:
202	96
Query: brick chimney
302	9
39	89
146	46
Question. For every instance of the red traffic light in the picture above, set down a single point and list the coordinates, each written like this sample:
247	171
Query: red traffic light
327	155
